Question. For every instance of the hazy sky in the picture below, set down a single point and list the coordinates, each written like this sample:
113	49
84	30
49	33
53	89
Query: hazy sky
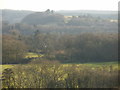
41	5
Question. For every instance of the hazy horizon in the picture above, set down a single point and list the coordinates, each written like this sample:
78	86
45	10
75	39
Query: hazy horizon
59	10
40	5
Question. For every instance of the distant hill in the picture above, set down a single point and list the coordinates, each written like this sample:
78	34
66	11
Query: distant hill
43	18
16	16
96	13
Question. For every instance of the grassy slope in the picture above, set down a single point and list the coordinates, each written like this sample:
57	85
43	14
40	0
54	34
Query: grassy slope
94	65
33	55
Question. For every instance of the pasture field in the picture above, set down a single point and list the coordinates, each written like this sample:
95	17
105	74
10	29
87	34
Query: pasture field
92	65
2	67
33	55
104	64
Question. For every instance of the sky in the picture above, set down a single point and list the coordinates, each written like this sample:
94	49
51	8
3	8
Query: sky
42	5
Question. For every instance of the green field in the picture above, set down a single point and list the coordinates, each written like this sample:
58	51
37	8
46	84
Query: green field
113	64
33	55
92	65
2	67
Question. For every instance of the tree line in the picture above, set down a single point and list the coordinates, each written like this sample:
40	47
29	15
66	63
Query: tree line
83	47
